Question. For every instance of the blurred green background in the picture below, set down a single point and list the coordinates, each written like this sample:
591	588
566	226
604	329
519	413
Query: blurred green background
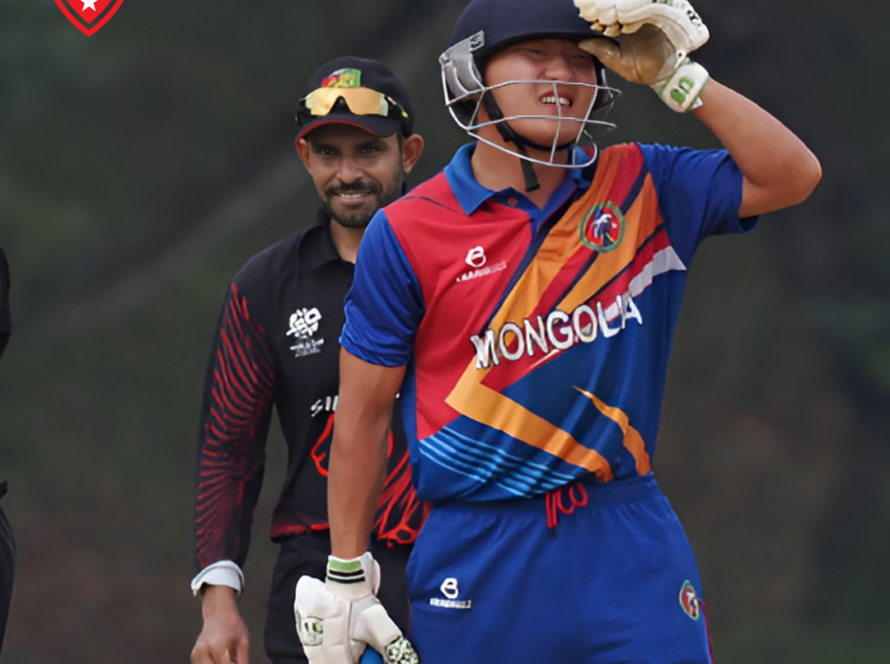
141	167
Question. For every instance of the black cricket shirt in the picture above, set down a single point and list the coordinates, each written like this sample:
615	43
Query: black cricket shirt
276	344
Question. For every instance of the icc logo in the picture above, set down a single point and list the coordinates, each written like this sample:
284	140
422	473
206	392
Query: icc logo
89	15
476	257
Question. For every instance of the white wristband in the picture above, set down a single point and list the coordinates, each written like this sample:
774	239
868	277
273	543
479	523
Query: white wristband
683	87
222	573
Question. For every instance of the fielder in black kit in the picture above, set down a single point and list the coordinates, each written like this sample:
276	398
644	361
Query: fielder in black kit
277	345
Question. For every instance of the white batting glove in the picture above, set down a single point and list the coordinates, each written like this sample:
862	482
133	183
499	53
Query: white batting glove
338	618
651	40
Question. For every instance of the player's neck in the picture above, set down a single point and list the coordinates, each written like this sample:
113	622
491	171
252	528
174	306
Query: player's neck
497	170
346	240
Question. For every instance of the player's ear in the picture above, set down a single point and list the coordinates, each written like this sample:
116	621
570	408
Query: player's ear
412	146
302	146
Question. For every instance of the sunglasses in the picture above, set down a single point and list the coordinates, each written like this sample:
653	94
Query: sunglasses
360	101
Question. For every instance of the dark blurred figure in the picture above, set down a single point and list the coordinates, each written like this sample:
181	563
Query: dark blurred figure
7	543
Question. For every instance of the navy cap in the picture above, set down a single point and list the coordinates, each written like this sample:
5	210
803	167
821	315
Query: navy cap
367	73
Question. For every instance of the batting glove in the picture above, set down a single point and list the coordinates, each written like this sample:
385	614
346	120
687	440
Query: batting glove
338	618
650	43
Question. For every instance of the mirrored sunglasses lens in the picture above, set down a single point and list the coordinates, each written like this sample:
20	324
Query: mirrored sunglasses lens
360	101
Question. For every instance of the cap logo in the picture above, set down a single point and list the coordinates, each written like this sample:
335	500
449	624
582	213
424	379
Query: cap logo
343	78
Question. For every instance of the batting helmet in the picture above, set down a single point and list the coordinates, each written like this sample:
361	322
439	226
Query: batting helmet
487	26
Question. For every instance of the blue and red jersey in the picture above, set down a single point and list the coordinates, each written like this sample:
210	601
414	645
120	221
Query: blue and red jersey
536	340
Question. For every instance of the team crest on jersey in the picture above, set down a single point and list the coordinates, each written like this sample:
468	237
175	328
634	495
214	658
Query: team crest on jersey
689	601
303	326
602	229
343	78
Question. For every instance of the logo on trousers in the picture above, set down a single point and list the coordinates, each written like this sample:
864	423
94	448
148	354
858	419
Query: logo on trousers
689	601
451	592
89	15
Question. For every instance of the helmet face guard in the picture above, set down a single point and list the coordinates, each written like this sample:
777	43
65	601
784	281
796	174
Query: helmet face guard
466	94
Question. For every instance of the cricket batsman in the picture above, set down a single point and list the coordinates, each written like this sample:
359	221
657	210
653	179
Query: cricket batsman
523	302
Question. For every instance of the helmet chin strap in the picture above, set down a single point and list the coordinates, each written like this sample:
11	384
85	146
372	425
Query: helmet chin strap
522	143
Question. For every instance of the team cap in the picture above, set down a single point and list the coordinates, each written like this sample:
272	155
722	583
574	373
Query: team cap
360	92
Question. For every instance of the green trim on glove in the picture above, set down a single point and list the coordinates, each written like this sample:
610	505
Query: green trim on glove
344	571
682	89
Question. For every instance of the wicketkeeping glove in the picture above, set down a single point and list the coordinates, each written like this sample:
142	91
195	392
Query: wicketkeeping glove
650	43
337	618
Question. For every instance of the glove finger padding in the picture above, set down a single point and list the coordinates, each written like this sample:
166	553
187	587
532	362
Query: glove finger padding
370	624
682	25
338	619
646	56
322	620
650	40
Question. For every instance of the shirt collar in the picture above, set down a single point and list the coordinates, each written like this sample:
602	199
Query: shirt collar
470	194
317	246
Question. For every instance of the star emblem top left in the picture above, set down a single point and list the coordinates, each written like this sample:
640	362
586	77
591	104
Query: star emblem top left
89	22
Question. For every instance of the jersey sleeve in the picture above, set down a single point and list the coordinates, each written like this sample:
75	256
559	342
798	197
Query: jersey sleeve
385	305
699	194
235	416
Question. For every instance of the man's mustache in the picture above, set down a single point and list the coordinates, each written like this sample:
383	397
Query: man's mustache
353	187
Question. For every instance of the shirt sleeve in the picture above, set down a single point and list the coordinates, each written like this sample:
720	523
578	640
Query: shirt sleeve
235	416
699	194
385	305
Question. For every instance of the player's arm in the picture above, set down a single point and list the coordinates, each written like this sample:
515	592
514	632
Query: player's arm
338	618
358	451
778	169
648	42
234	419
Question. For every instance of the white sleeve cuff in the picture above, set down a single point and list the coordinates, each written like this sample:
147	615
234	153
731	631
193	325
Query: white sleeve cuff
222	573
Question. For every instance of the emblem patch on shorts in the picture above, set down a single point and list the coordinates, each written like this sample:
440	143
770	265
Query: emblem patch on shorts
689	601
602	228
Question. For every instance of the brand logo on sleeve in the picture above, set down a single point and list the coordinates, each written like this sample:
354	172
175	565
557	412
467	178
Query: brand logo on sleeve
602	228
303	325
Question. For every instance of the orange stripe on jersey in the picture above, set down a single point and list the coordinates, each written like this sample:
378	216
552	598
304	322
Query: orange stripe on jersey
556	262
641	221
633	441
474	400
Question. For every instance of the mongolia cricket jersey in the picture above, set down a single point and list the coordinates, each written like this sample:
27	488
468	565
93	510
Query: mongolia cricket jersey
536	340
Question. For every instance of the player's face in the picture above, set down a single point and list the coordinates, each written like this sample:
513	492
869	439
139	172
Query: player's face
355	172
543	60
